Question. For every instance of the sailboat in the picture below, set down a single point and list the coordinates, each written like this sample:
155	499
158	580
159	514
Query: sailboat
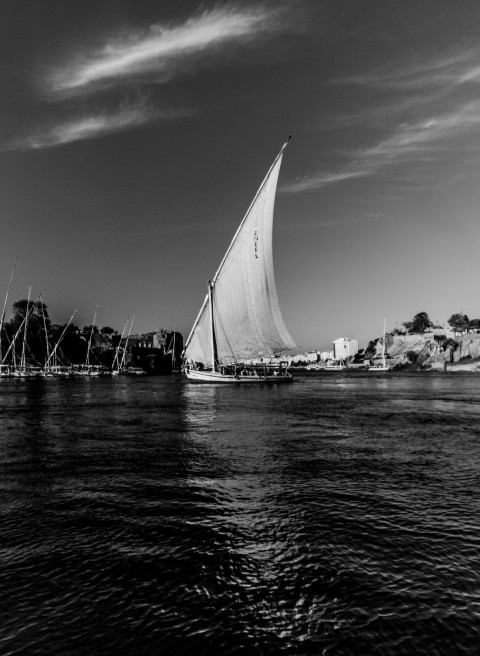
88	369
52	368
5	369
122	367
240	320
116	360
381	366
25	370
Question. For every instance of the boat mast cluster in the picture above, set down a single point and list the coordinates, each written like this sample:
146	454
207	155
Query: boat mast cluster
18	361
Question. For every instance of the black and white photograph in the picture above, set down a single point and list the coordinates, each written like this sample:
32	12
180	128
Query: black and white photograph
239	328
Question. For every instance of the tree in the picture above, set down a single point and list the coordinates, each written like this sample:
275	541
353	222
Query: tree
371	348
37	310
106	330
459	322
86	330
37	325
420	323
71	349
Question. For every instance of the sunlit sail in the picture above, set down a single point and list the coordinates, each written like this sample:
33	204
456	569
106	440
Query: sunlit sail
240	318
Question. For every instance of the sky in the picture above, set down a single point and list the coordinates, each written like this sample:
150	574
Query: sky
135	133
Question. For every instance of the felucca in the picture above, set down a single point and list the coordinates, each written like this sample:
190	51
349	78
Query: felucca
381	366
240	319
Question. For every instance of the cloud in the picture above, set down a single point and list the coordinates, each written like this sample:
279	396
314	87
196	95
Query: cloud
162	51
424	141
430	110
360	218
95	125
319	180
426	135
142	56
427	74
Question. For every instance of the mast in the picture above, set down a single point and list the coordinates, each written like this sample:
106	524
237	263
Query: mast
12	343
54	352
2	318
212	327
87	361
384	328
174	357
235	238
22	359
115	359
126	343
45	328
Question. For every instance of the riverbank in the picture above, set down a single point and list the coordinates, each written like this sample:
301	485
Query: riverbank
432	352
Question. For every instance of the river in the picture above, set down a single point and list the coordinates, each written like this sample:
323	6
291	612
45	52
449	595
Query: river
151	516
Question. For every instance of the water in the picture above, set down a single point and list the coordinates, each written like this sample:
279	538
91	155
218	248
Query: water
337	515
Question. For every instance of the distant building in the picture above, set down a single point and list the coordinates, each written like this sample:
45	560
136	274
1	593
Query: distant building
352	347
344	348
326	355
158	339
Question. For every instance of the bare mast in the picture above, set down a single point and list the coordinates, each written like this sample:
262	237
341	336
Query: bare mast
115	359
87	361
126	343
12	343
22	360
2	318
52	354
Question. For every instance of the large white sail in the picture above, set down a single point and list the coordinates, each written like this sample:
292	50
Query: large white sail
247	319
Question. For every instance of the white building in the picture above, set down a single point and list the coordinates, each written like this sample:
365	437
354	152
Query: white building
344	348
352	347
326	355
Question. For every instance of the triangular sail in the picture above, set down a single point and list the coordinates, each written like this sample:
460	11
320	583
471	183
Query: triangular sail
247	319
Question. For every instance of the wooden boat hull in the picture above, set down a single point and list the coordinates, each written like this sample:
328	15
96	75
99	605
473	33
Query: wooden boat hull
205	376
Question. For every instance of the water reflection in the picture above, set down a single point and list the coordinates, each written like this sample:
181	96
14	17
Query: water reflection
199	405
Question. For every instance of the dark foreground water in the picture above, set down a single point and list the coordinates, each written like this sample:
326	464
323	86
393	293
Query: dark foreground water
337	515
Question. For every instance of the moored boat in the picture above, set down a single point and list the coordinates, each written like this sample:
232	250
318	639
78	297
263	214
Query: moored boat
335	365
382	365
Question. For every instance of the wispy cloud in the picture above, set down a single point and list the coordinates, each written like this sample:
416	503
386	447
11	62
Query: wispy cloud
163	51
95	125
426	140
425	74
428	123
360	218
319	180
142	57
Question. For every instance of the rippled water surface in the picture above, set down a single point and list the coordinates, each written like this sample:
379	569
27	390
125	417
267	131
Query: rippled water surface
336	515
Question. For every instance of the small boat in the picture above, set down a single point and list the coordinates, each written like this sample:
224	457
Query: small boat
59	371
240	320
381	366
132	371
335	365
88	369
119	366
52	368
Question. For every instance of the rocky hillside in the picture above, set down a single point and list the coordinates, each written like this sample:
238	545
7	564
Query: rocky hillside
427	352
